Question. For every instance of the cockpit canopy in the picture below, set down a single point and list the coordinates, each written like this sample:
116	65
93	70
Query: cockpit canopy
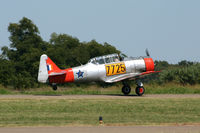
105	59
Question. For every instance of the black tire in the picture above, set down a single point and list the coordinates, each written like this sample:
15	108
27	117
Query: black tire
126	89
54	87
140	90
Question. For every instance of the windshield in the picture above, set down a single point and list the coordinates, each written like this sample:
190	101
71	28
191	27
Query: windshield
108	60
105	59
100	60
93	61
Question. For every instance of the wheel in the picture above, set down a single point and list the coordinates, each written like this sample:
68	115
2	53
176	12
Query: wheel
54	87
140	90
126	89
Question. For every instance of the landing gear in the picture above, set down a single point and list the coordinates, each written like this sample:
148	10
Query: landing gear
139	89
126	89
54	86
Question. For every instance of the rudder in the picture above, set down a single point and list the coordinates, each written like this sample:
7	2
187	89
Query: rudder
43	73
47	67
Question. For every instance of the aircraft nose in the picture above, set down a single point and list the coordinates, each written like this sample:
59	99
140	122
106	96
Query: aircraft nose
149	64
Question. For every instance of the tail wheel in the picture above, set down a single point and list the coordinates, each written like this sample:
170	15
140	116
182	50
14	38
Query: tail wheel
54	87
126	89
140	90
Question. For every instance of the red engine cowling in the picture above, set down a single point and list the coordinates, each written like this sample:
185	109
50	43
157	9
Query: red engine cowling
149	64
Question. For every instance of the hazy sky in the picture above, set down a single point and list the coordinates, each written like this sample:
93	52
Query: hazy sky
170	29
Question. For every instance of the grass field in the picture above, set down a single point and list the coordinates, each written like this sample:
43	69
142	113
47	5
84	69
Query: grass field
126	111
94	89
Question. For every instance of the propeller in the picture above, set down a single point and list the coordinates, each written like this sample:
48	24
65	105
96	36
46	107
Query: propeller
147	52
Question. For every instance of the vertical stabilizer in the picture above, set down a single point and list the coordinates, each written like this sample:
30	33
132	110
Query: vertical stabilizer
43	73
51	66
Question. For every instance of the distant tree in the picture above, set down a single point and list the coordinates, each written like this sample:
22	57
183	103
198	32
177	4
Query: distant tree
63	50
25	50
7	72
185	63
161	65
96	49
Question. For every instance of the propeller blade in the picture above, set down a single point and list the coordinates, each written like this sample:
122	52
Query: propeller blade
147	52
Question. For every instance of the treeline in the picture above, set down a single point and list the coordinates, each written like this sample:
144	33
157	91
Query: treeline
20	61
185	72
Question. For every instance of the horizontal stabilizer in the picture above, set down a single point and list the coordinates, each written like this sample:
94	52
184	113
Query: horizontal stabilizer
57	73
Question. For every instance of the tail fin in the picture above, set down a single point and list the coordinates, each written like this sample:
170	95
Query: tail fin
51	66
46	68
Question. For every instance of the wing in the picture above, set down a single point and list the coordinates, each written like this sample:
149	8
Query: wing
130	76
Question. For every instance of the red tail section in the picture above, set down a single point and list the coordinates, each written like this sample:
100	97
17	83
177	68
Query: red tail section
51	66
56	75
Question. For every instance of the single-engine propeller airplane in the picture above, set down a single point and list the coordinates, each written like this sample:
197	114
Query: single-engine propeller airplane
108	68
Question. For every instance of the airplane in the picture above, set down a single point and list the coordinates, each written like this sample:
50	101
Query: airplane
108	68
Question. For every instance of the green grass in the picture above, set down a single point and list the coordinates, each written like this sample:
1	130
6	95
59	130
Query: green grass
95	90
172	89
4	91
129	111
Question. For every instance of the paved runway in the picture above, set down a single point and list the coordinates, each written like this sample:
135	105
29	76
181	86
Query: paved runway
102	129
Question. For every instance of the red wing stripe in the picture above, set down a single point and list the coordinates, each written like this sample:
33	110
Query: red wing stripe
149	72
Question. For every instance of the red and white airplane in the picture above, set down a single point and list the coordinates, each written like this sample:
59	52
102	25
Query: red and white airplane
108	68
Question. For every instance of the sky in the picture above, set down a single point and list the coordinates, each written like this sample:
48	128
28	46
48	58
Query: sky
170	29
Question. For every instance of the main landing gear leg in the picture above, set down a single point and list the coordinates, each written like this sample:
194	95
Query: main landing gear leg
139	89
126	89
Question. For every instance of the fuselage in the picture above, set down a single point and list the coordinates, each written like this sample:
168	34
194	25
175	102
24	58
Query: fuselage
108	68
104	72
